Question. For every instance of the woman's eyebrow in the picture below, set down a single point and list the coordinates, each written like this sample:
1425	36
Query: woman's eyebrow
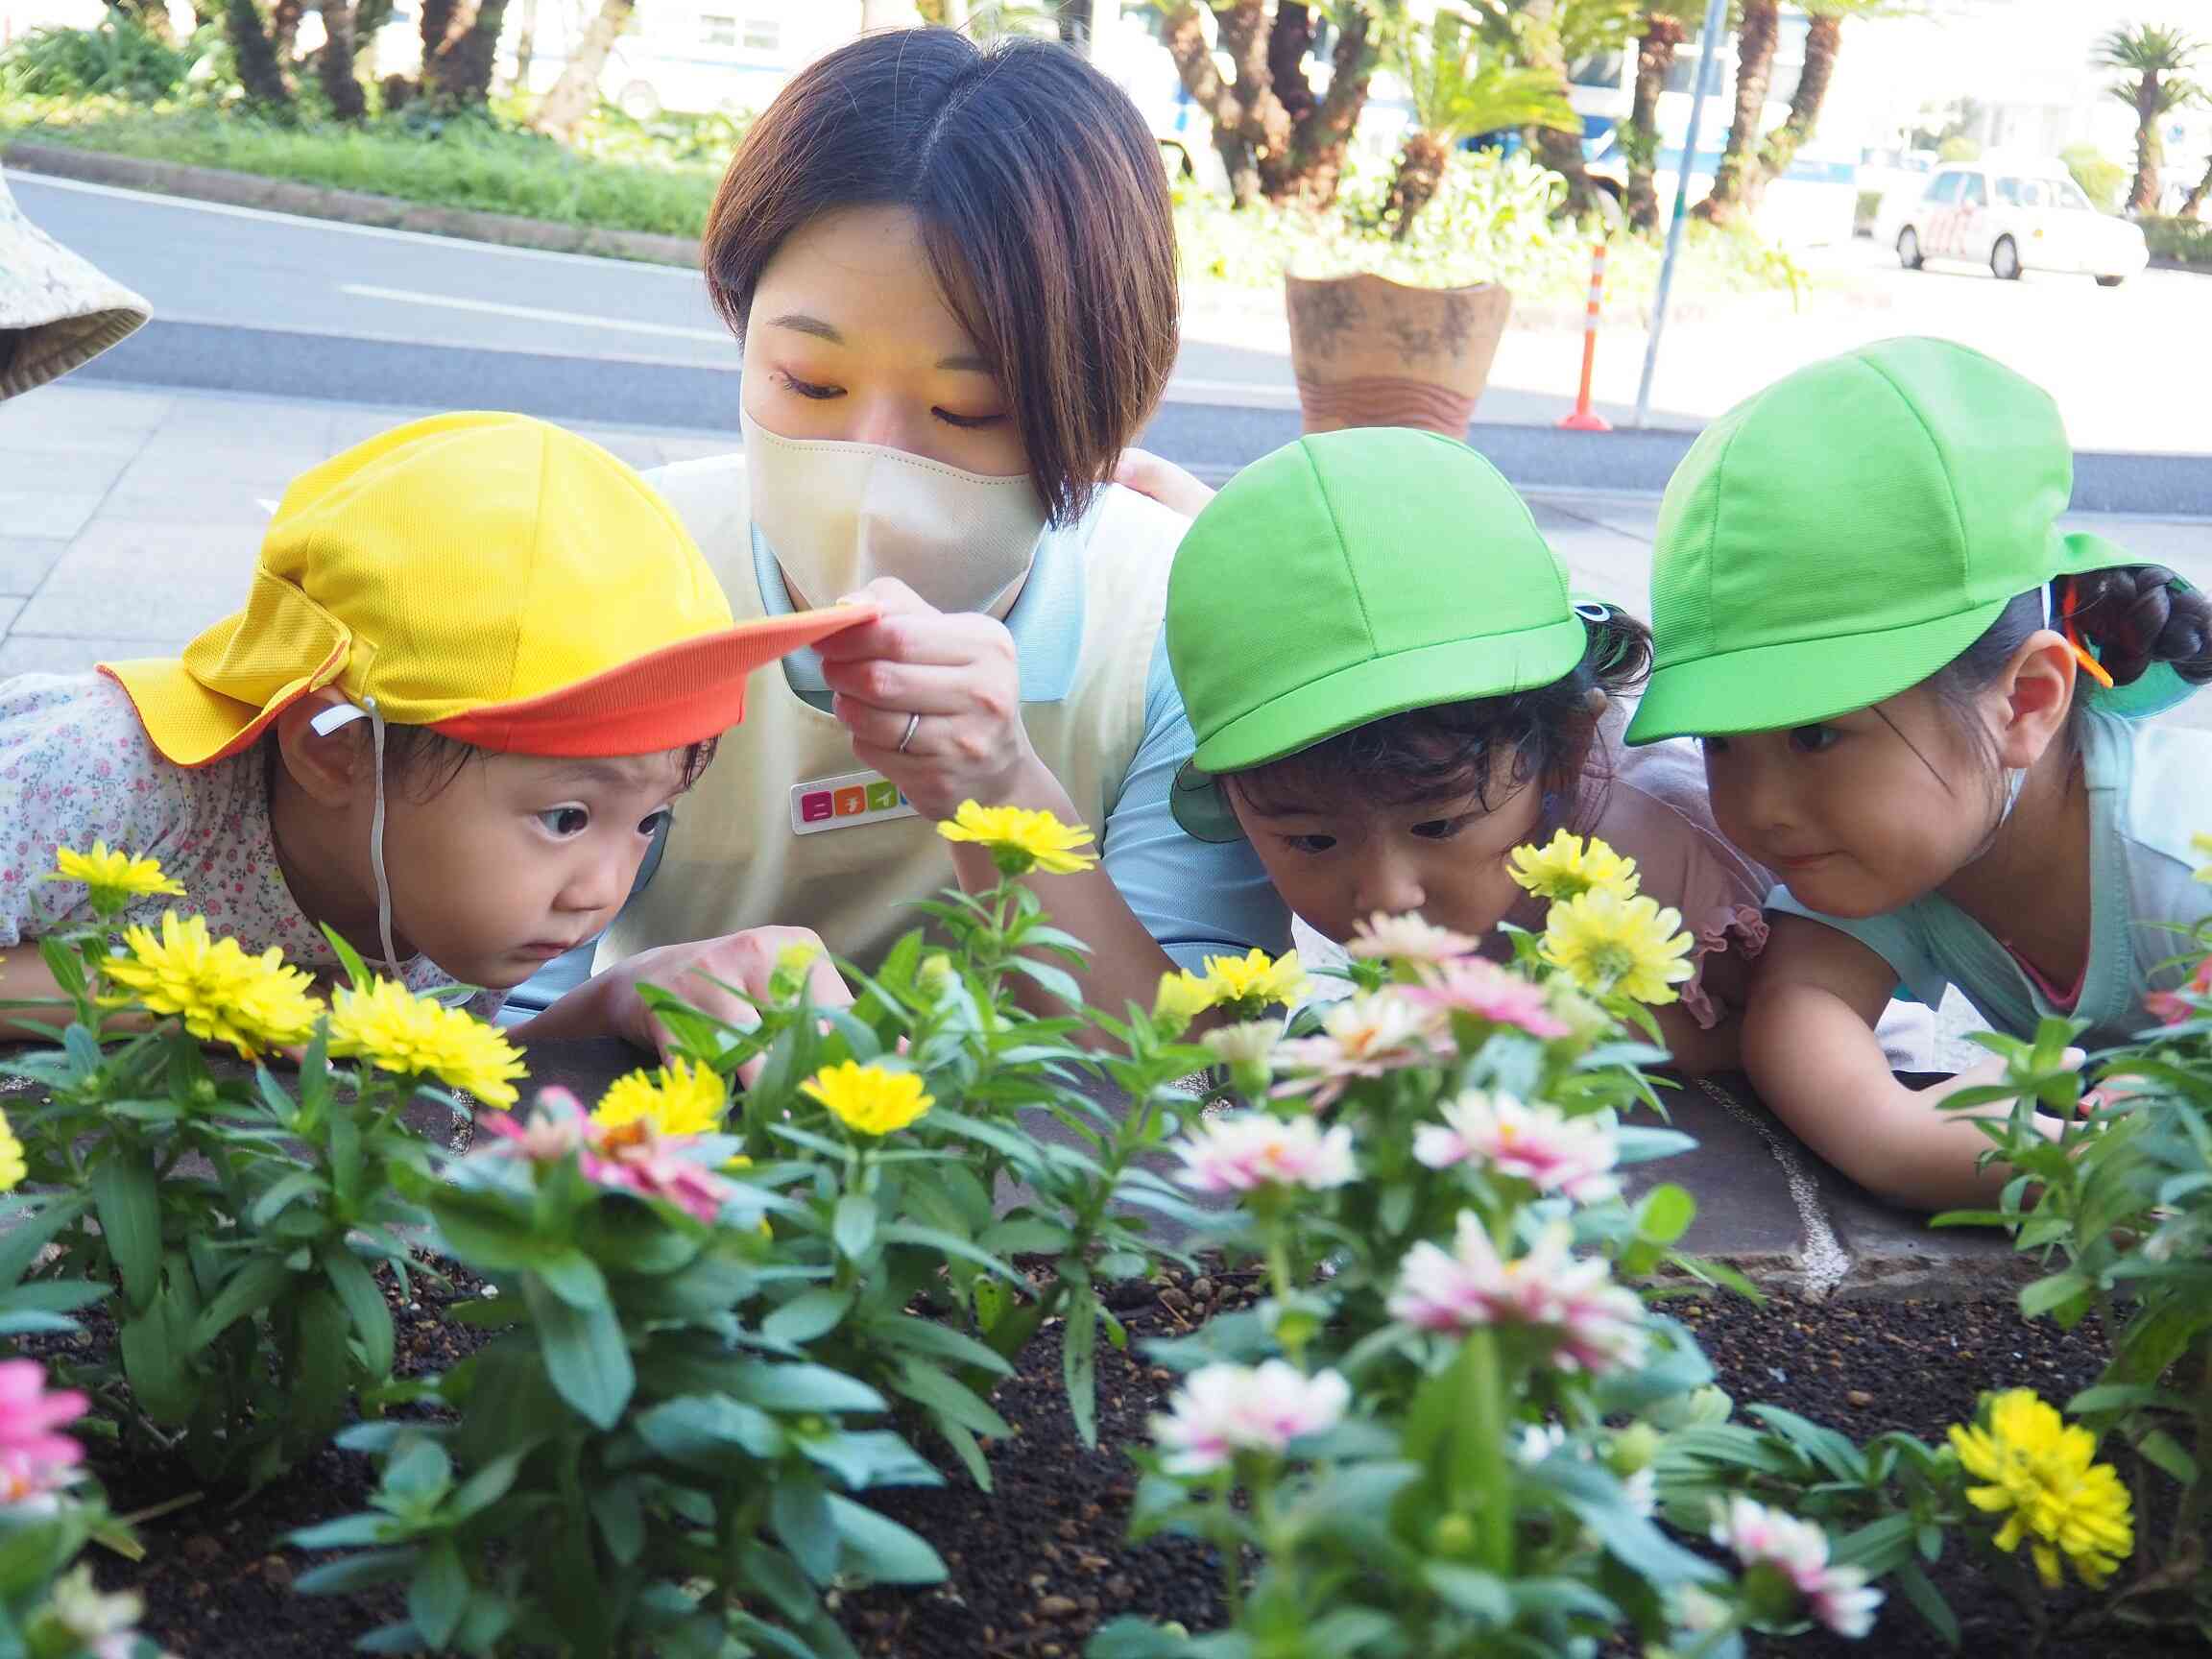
799	322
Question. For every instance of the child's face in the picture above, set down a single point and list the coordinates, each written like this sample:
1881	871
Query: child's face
1863	813
519	858
1338	863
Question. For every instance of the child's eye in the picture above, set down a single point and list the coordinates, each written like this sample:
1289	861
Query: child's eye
1444	829
967	422
653	822
566	822
804	389
1310	844
1812	739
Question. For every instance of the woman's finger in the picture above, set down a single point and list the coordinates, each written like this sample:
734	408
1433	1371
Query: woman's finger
889	595
936	638
911	687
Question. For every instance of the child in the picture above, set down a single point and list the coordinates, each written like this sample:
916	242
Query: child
480	661
1392	690
1864	607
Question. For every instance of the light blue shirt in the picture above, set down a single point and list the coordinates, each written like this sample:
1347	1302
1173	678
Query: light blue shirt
1197	899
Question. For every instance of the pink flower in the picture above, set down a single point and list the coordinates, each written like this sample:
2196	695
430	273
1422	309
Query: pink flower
1837	1596
35	1461
636	1157
1541	1144
1363	1036
2167	1006
555	1129
1224	1409
1239	1152
1595	1326
1484	991
1407	939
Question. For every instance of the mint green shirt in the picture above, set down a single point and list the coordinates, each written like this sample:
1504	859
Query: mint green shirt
2150	791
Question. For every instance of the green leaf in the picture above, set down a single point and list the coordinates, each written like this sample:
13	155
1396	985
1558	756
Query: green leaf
485	1487
1928	1601
297	1185
875	1457
931	1238
421	1472
711	1432
1665	1214
2125	1397
1055	982
622	1518
348	1532
2047	1294
586	1358
481	1231
855	1227
1480	1596
256	1284
438	1594
809	1314
886	1552
927	1385
1030	1234
573	1277
129	1200
154	1365
1079	1364
2161	1448
356	971
799	1508
804	1388
363	1299
354	1573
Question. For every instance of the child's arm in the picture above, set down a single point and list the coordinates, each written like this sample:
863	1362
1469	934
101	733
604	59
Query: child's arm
1700	1050
1809	1045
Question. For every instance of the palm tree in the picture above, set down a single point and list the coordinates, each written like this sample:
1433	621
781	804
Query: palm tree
1823	38
576	94
2194	202
1755	32
1662	35
2152	58
1458	89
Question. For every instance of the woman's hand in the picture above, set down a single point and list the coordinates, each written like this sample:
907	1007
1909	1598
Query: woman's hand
957	673
1164	482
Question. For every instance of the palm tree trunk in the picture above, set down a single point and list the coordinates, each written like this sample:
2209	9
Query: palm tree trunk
284	28
336	64
258	70
1560	151
1655	60
153	19
2149	148
464	77
578	89
2193	203
1821	42
1322	135
1754	68
1420	175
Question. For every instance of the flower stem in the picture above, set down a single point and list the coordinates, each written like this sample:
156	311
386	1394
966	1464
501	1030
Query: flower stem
1480	1472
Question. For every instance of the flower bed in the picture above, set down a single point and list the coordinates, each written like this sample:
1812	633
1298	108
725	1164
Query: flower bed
774	1373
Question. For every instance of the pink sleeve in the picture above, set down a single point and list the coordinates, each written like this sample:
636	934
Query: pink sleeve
1655	811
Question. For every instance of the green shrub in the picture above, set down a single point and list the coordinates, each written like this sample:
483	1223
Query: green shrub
116	60
2184	241
2101	178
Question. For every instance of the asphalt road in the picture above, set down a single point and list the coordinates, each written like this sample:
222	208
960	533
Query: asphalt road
259	302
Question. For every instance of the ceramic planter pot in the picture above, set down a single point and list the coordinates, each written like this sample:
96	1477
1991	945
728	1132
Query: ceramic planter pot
1372	352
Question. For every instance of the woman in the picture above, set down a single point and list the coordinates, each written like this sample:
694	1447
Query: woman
952	272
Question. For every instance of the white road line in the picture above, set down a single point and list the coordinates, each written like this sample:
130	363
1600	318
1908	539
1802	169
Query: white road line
18	178
533	313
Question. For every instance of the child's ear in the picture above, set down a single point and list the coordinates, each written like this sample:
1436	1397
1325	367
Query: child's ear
2038	687
327	769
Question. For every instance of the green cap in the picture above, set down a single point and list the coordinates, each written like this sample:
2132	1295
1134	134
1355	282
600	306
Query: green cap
1843	534
1353	575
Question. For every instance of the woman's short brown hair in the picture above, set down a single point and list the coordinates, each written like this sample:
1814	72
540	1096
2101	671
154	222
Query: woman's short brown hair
1043	203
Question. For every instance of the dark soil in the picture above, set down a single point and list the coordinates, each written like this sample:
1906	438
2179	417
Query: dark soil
1039	1563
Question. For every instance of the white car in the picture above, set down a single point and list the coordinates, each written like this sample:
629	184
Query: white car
2012	219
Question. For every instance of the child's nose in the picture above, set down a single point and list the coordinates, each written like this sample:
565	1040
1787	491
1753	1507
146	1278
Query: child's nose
599	884
1390	885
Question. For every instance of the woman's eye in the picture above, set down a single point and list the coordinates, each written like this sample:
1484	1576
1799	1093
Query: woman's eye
1443	829
1812	739
566	822
653	822
967	422
805	389
1310	844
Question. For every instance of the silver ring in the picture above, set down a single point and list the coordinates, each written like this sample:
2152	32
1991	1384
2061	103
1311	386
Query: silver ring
913	725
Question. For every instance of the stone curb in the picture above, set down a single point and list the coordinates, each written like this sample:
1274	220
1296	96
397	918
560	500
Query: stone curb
347	206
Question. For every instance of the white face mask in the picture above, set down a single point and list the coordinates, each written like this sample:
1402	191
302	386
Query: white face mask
837	516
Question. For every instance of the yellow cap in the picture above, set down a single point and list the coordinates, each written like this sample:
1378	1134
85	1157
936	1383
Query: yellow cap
493	577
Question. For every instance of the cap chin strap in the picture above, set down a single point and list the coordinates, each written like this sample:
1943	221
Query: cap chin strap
339	716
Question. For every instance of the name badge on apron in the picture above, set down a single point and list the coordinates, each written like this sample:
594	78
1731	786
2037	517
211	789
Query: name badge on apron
846	802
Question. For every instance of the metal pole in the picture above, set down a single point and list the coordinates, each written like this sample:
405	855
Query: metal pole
1708	47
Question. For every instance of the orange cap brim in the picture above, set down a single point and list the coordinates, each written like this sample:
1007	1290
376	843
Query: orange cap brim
682	694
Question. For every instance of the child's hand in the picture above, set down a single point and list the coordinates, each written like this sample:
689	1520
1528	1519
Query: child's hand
1164	482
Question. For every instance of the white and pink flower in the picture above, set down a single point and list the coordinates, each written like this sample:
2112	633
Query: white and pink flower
1240	1151
1595	1325
1837	1596
1540	1144
1224	1409
1384	937
1483	991
553	1130
637	1158
1363	1036
35	1461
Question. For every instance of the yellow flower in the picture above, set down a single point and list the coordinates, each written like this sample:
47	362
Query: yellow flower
411	1036
253	1004
2040	1468
13	1168
869	1098
1606	942
1182	997
113	874
1568	869
2203	845
1251	982
680	1099
1020	840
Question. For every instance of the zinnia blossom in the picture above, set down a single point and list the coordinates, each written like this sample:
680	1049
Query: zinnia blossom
635	1157
410	1036
1837	1596
1595	1325
871	1099
1224	1409
35	1461
1363	1036
1567	868
221	994
1255	982
115	878
1605	943
2168	1008
555	1129
1539	1144
1182	997
1019	840
1407	938
1239	1151
680	1097
1482	990
12	1167
2042	1477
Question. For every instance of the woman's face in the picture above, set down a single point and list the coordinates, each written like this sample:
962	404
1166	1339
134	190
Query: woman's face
848	339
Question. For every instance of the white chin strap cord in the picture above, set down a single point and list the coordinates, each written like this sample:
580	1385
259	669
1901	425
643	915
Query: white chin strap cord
333	719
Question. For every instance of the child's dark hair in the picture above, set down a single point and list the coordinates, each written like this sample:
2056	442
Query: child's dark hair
424	762
1448	750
